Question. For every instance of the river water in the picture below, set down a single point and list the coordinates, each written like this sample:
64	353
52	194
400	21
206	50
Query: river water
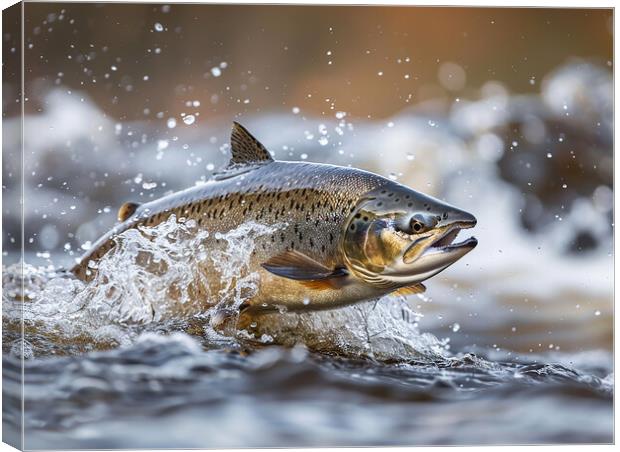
511	345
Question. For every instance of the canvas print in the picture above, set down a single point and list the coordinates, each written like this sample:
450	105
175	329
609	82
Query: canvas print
241	226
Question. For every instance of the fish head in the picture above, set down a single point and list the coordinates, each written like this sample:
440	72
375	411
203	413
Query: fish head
396	237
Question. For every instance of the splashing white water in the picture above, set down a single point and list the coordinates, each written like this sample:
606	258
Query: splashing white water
158	276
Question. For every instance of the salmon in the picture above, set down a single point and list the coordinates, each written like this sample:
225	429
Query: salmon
341	235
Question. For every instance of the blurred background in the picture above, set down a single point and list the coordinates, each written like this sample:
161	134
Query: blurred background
135	60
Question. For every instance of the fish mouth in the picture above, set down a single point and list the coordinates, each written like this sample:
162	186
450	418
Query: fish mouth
441	242
445	243
429	255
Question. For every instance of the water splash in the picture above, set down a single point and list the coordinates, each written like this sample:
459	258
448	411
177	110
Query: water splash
177	276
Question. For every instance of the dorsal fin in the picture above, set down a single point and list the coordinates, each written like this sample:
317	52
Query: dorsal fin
247	154
245	149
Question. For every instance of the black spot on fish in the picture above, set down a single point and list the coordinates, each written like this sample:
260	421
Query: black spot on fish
410	204
311	243
331	238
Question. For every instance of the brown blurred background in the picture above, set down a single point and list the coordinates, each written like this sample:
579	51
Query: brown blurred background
368	61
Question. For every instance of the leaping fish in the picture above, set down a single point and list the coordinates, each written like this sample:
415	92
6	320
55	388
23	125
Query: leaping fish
345	235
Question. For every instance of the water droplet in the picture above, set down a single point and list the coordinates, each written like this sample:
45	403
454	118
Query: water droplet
158	27
216	71
172	123
456	327
295	110
162	144
304	156
410	157
597	312
189	119
323	141
549	155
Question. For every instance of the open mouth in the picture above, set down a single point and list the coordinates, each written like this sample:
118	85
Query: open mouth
446	241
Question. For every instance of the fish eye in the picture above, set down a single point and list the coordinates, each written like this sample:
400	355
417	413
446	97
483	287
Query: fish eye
416	225
420	223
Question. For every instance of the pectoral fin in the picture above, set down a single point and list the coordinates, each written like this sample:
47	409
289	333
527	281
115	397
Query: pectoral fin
410	290
295	265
